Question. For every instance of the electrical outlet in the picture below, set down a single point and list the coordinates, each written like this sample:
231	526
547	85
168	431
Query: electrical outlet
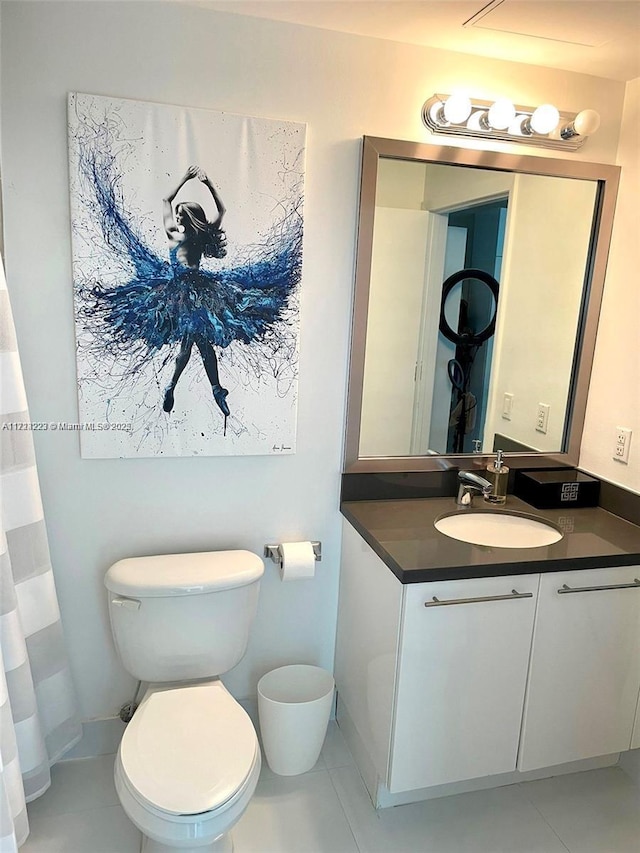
621	446
507	406
542	417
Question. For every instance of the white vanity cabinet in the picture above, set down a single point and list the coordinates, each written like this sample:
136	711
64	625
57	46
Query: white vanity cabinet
584	674
494	675
463	655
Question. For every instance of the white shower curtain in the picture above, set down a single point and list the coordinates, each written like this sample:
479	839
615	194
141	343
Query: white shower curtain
38	720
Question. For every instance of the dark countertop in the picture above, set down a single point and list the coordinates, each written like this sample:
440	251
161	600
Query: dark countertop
403	535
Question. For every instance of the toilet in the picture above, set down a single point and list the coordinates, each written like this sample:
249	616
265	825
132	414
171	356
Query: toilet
189	760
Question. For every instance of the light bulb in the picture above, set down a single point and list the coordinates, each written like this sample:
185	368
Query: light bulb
457	108
501	114
586	122
545	119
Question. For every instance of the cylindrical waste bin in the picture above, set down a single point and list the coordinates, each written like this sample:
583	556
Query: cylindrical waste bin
294	703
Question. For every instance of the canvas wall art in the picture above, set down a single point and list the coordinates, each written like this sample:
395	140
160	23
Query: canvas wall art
187	258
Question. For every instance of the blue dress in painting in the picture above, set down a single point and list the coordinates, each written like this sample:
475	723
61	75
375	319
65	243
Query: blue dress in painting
164	302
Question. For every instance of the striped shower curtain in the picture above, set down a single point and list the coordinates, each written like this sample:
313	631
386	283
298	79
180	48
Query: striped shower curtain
38	721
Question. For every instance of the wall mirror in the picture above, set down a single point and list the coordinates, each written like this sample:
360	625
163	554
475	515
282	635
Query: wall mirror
479	278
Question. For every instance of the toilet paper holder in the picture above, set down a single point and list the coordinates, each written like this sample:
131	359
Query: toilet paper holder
273	552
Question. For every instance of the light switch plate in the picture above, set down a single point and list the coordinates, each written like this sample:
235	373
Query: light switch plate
507	406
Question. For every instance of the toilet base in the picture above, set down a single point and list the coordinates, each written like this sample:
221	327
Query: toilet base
223	844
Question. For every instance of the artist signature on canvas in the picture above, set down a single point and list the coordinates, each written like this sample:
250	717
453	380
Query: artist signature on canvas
279	448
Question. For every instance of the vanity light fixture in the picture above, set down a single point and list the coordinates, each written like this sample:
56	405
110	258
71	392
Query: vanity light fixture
545	126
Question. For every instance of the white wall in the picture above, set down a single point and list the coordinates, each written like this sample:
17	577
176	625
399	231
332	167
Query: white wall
400	183
614	393
449	188
343	86
545	246
398	270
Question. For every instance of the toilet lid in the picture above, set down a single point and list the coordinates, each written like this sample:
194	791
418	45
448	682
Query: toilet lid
188	750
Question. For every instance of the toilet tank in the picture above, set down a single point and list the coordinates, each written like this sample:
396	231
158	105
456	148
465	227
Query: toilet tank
178	617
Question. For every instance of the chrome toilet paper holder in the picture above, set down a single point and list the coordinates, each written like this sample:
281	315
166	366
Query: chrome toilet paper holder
274	553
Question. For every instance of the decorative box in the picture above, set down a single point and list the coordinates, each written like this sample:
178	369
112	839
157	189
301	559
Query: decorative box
556	489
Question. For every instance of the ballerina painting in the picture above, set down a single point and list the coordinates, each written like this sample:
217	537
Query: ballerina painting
156	281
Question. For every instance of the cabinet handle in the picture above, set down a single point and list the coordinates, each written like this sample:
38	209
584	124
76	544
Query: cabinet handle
565	588
435	602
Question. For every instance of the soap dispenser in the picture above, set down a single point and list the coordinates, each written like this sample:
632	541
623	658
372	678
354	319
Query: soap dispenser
498	474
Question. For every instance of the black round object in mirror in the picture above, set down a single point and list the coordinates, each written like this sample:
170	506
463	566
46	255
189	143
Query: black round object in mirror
468	339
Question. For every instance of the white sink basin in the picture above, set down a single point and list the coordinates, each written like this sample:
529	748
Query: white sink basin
498	529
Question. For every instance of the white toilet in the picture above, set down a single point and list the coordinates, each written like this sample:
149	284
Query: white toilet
189	760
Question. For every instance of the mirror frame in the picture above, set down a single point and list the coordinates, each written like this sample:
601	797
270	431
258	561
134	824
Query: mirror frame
607	178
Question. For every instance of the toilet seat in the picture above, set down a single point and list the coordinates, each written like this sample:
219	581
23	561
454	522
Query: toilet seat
188	750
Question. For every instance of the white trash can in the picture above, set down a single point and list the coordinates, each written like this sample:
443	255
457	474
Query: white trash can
294	704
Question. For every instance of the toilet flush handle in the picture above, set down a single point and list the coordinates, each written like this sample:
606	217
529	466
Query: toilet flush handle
129	603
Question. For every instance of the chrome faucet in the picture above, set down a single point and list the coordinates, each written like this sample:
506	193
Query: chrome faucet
471	484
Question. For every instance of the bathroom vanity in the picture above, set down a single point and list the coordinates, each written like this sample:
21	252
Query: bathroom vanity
459	663
462	665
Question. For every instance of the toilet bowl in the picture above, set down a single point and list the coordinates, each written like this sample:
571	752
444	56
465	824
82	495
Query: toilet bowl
187	767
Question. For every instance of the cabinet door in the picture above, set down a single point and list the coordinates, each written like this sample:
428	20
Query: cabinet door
585	667
461	682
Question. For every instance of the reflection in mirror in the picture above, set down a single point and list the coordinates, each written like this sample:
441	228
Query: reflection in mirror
478	286
503	258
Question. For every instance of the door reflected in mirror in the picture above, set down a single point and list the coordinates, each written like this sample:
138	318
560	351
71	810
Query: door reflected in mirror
478	282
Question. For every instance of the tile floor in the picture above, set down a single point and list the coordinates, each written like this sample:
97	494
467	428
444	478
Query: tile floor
328	811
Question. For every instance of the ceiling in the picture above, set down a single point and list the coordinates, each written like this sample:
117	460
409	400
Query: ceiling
599	37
